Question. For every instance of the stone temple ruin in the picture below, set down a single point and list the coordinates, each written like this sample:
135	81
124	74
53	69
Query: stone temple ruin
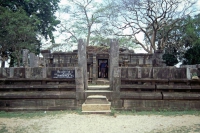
64	80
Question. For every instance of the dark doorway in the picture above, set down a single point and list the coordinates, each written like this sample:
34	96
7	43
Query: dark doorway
99	69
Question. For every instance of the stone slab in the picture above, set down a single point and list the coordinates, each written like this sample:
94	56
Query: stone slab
96	99
96	107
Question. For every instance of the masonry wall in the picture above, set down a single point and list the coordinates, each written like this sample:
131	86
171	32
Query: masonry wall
134	88
35	89
155	88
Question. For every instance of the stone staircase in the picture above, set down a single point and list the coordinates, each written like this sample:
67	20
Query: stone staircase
96	104
99	90
97	101
102	81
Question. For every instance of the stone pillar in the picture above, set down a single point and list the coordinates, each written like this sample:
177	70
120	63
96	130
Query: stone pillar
116	102
188	73
157	60
36	62
94	70
114	60
12	72
25	57
80	95
82	61
32	60
116	79
139	72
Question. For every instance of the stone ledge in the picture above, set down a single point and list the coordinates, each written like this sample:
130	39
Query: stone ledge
95	107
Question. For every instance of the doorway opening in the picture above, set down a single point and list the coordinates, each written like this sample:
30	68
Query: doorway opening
100	74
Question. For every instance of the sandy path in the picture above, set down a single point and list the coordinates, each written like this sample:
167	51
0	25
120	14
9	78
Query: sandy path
74	123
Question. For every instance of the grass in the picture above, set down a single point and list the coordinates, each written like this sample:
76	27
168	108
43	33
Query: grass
4	114
153	112
3	129
28	114
192	129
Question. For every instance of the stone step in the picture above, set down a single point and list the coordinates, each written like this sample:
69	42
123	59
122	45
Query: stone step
96	104
102	81
98	112
106	93
98	87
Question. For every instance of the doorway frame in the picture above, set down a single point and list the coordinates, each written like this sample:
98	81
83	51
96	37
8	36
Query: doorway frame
98	67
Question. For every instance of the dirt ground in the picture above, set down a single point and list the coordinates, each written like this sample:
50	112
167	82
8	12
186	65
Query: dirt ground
98	123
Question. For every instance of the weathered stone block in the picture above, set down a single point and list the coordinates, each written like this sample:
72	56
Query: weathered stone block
180	73
17	72
80	88
132	72
116	95
117	104
36	72
4	72
161	73
141	95
80	95
146	72
124	72
79	72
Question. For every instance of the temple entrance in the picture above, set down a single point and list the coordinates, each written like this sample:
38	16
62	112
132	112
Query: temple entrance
100	74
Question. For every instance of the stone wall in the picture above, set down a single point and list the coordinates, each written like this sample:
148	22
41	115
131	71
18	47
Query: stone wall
35	89
155	88
153	72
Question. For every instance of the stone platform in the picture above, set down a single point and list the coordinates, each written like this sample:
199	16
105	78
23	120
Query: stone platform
96	104
102	81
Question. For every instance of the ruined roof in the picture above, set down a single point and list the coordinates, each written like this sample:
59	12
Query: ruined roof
98	49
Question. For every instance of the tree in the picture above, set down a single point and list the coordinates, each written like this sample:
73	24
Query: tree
85	20
18	31
170	57
192	56
185	35
43	9
149	17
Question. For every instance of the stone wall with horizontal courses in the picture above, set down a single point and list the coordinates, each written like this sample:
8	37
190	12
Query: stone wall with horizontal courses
37	89
134	88
156	88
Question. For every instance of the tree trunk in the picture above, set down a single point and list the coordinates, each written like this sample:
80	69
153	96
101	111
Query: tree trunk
88	36
2	64
153	38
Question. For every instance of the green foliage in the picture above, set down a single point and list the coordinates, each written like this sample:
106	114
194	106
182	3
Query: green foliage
18	31
192	55
170	59
43	9
184	35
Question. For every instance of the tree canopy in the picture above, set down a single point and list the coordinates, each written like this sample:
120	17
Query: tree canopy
148	17
22	21
44	10
17	32
192	55
185	35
